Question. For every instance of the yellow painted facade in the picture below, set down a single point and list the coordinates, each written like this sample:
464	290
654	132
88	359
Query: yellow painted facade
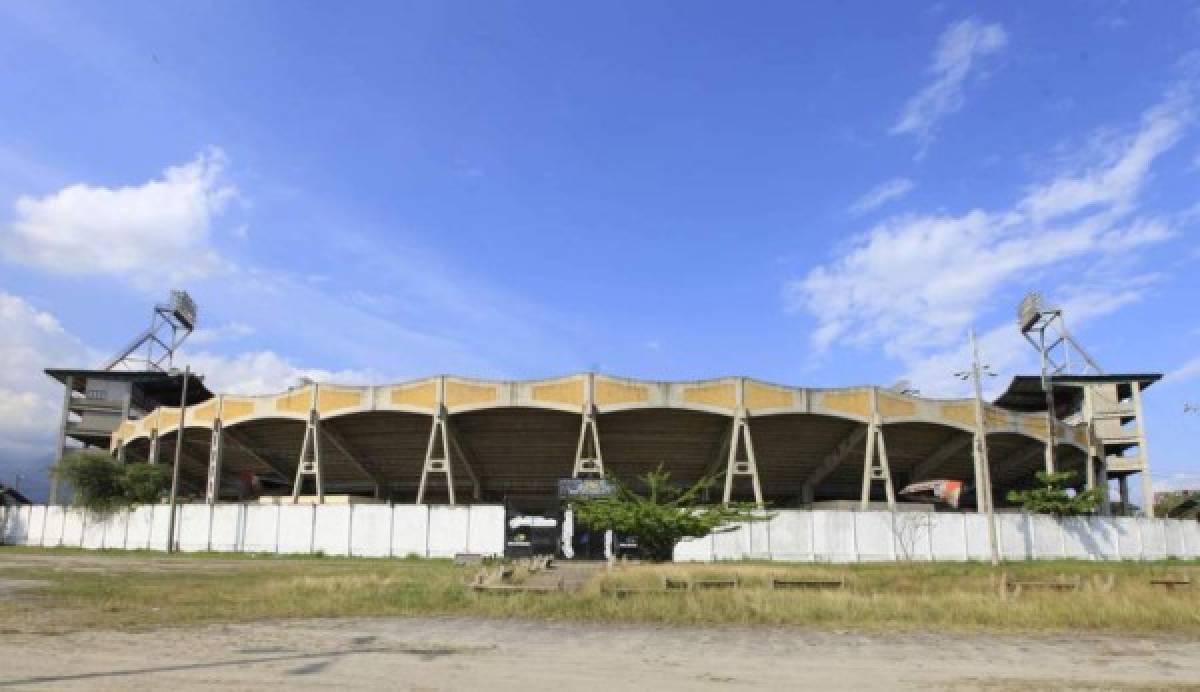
892	406
136	428
332	400
1036	426
759	396
856	403
997	419
125	432
961	413
168	418
465	394
718	395
721	395
236	409
612	393
423	395
204	413
298	401
570	393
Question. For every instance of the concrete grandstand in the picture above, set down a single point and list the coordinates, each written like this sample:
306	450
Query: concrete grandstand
453	439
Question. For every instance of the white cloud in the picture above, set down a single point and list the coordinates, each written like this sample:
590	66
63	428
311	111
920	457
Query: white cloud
1003	348
30	402
229	331
1177	481
960	46
1185	372
406	307
263	372
153	231
915	280
914	283
881	194
1115	183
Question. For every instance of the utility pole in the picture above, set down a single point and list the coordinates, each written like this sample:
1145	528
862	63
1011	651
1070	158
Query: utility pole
187	375
981	451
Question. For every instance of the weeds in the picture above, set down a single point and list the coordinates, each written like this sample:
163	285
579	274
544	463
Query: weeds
136	591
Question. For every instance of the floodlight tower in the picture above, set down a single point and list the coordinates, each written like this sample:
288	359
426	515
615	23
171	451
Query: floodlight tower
129	385
1045	328
171	323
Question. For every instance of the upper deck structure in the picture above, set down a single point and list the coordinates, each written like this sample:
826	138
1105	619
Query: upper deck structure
454	439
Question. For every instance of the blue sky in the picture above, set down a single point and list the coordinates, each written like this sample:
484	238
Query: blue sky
816	196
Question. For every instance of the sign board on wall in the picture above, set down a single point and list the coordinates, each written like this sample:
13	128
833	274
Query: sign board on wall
584	488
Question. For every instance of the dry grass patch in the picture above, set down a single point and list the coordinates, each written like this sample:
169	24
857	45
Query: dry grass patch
877	596
917	596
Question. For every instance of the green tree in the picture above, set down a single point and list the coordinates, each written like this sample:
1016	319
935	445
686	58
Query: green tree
664	514
145	483
1052	496
102	484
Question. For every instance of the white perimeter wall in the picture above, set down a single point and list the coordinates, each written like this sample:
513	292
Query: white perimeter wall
441	531
846	536
364	530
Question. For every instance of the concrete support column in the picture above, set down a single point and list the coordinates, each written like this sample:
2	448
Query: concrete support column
437	459
437	451
152	455
68	388
1106	498
1143	451
875	460
126	404
741	442
588	458
215	453
1097	465
310	452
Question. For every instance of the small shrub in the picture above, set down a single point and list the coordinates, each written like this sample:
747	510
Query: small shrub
1052	496
102	484
96	478
664	515
144	483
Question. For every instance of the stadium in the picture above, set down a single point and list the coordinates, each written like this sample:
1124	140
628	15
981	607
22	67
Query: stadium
519	451
453	440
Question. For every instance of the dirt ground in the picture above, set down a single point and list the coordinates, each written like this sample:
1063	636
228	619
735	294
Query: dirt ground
474	654
469	653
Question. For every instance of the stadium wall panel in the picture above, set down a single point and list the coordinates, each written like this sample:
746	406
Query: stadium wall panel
371	532
225	528
442	531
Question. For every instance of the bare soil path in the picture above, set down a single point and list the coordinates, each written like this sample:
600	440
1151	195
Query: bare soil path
475	654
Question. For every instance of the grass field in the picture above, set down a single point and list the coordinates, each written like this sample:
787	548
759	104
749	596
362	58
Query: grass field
131	590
